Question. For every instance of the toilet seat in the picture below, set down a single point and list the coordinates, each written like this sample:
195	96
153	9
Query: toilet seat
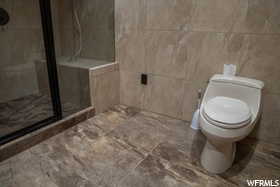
227	112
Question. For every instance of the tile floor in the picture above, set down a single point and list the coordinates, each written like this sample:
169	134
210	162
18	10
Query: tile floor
23	112
128	148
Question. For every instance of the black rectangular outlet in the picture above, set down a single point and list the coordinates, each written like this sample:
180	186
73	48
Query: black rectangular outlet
144	79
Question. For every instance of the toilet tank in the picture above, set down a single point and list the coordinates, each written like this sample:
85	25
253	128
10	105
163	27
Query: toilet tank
245	89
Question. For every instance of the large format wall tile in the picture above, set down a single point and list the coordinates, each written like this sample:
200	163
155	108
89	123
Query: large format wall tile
129	14
25	44
169	14
258	16
130	49
67	44
242	16
166	54
215	15
98	44
262	61
104	15
95	13
164	95
97	29
26	14
64	13
268	128
96	19
208	52
131	91
20	46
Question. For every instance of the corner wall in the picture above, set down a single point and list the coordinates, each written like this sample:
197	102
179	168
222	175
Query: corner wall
181	44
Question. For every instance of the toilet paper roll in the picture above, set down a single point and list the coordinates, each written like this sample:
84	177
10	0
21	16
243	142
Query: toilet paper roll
229	69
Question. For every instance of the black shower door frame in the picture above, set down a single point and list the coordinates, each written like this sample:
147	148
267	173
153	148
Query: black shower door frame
47	27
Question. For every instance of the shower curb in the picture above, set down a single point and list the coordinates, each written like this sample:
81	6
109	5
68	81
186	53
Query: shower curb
21	144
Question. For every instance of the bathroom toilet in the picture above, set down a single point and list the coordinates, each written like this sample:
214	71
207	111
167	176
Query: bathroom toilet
229	111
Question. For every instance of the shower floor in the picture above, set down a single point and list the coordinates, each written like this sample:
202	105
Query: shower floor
23	112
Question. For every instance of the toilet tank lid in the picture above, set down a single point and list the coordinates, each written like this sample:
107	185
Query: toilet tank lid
238	80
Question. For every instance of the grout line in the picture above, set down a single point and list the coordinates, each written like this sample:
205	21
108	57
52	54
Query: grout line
201	31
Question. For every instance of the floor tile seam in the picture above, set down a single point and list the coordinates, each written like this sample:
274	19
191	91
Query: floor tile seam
132	170
125	144
189	165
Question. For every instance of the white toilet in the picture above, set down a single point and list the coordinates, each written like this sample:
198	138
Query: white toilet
229	111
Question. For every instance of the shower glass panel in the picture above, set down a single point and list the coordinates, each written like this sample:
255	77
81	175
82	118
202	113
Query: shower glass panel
27	88
84	39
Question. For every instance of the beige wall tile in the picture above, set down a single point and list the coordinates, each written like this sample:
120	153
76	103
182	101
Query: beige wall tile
131	91
26	14
169	14
97	24
190	99
208	52
67	42
19	48
104	15
98	44
166	53
25	45
130	49
105	90
268	128
129	14
258	16
64	13
96	19
215	15
164	95
262	61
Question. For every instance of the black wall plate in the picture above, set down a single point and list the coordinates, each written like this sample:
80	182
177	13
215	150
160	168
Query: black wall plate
4	17
144	79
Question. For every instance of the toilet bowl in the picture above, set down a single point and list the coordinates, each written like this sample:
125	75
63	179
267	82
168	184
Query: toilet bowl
229	111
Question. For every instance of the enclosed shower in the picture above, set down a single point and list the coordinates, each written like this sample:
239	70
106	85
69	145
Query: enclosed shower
47	48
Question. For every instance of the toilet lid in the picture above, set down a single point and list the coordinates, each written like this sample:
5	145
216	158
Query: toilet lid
228	111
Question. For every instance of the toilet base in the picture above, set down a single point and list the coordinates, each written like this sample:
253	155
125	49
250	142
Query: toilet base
217	157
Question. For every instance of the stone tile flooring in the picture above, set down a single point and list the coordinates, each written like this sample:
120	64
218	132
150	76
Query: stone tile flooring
128	148
23	112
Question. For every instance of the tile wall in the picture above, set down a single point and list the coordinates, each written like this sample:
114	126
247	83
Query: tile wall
180	44
96	19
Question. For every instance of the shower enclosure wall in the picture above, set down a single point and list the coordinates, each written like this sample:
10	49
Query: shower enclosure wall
35	67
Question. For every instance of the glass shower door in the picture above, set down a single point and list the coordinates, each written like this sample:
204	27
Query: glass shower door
29	97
